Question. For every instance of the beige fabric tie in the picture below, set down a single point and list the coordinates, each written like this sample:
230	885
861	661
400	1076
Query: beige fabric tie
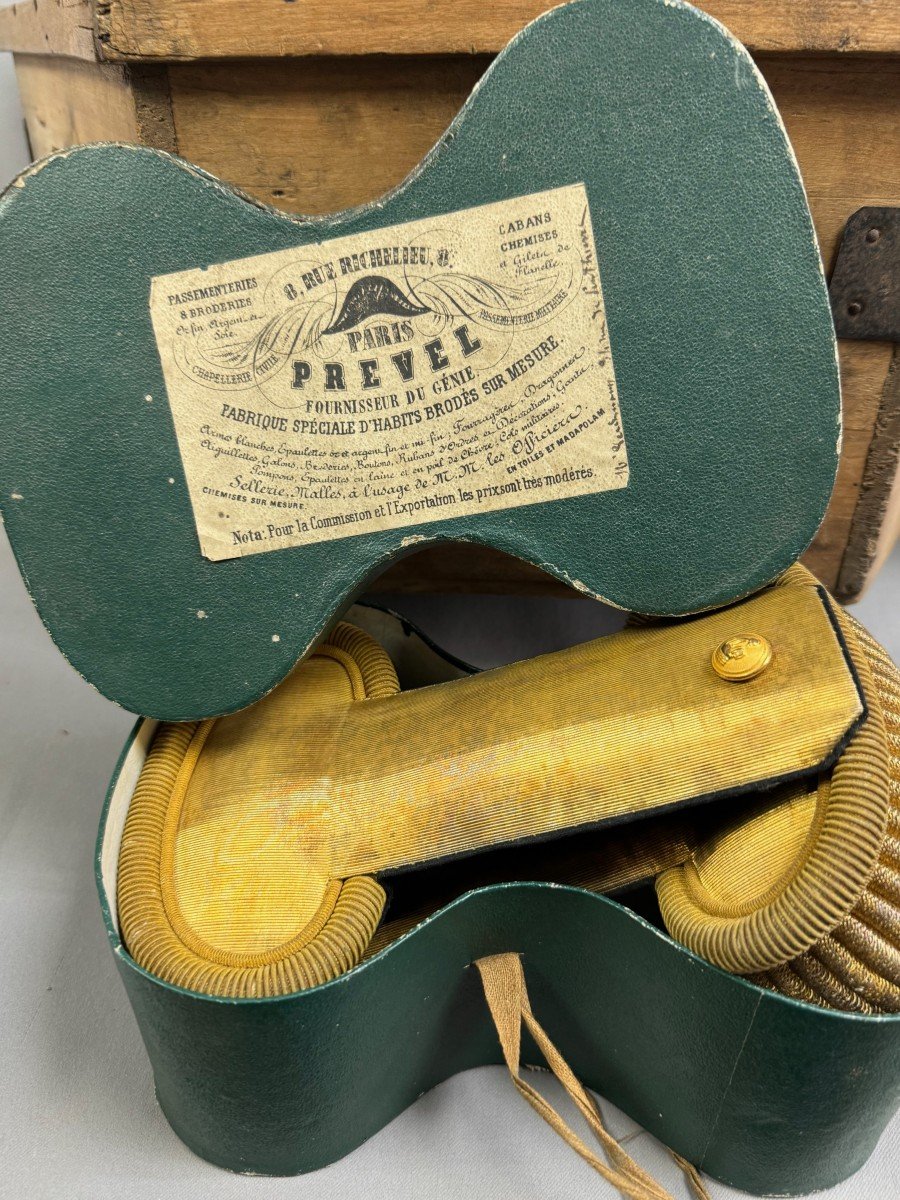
507	998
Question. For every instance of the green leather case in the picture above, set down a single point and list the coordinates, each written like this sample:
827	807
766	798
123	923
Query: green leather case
719	326
764	1093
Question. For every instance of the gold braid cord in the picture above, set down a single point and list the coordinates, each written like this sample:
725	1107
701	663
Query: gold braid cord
856	966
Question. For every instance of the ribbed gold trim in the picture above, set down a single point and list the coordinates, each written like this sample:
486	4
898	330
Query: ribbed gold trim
375	667
154	929
830	875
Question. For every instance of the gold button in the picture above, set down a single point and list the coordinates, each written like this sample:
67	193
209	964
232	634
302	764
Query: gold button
741	657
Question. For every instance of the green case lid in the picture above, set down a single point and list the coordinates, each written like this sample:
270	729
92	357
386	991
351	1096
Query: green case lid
713	355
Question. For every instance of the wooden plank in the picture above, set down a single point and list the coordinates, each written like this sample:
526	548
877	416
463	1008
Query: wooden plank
321	137
864	367
876	519
153	105
67	102
191	29
843	118
49	27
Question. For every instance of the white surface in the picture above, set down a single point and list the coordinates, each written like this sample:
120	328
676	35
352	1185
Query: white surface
77	1116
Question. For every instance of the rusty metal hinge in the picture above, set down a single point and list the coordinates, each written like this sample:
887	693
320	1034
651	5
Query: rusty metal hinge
865	283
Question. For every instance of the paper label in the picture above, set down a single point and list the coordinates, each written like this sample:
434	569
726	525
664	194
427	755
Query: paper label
435	369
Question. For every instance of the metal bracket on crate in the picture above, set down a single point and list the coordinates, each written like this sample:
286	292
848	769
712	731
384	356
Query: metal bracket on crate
865	283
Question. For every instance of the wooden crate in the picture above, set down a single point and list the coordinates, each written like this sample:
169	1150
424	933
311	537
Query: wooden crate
318	105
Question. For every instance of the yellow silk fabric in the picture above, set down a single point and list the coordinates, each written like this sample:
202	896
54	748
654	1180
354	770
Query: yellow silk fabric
313	785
